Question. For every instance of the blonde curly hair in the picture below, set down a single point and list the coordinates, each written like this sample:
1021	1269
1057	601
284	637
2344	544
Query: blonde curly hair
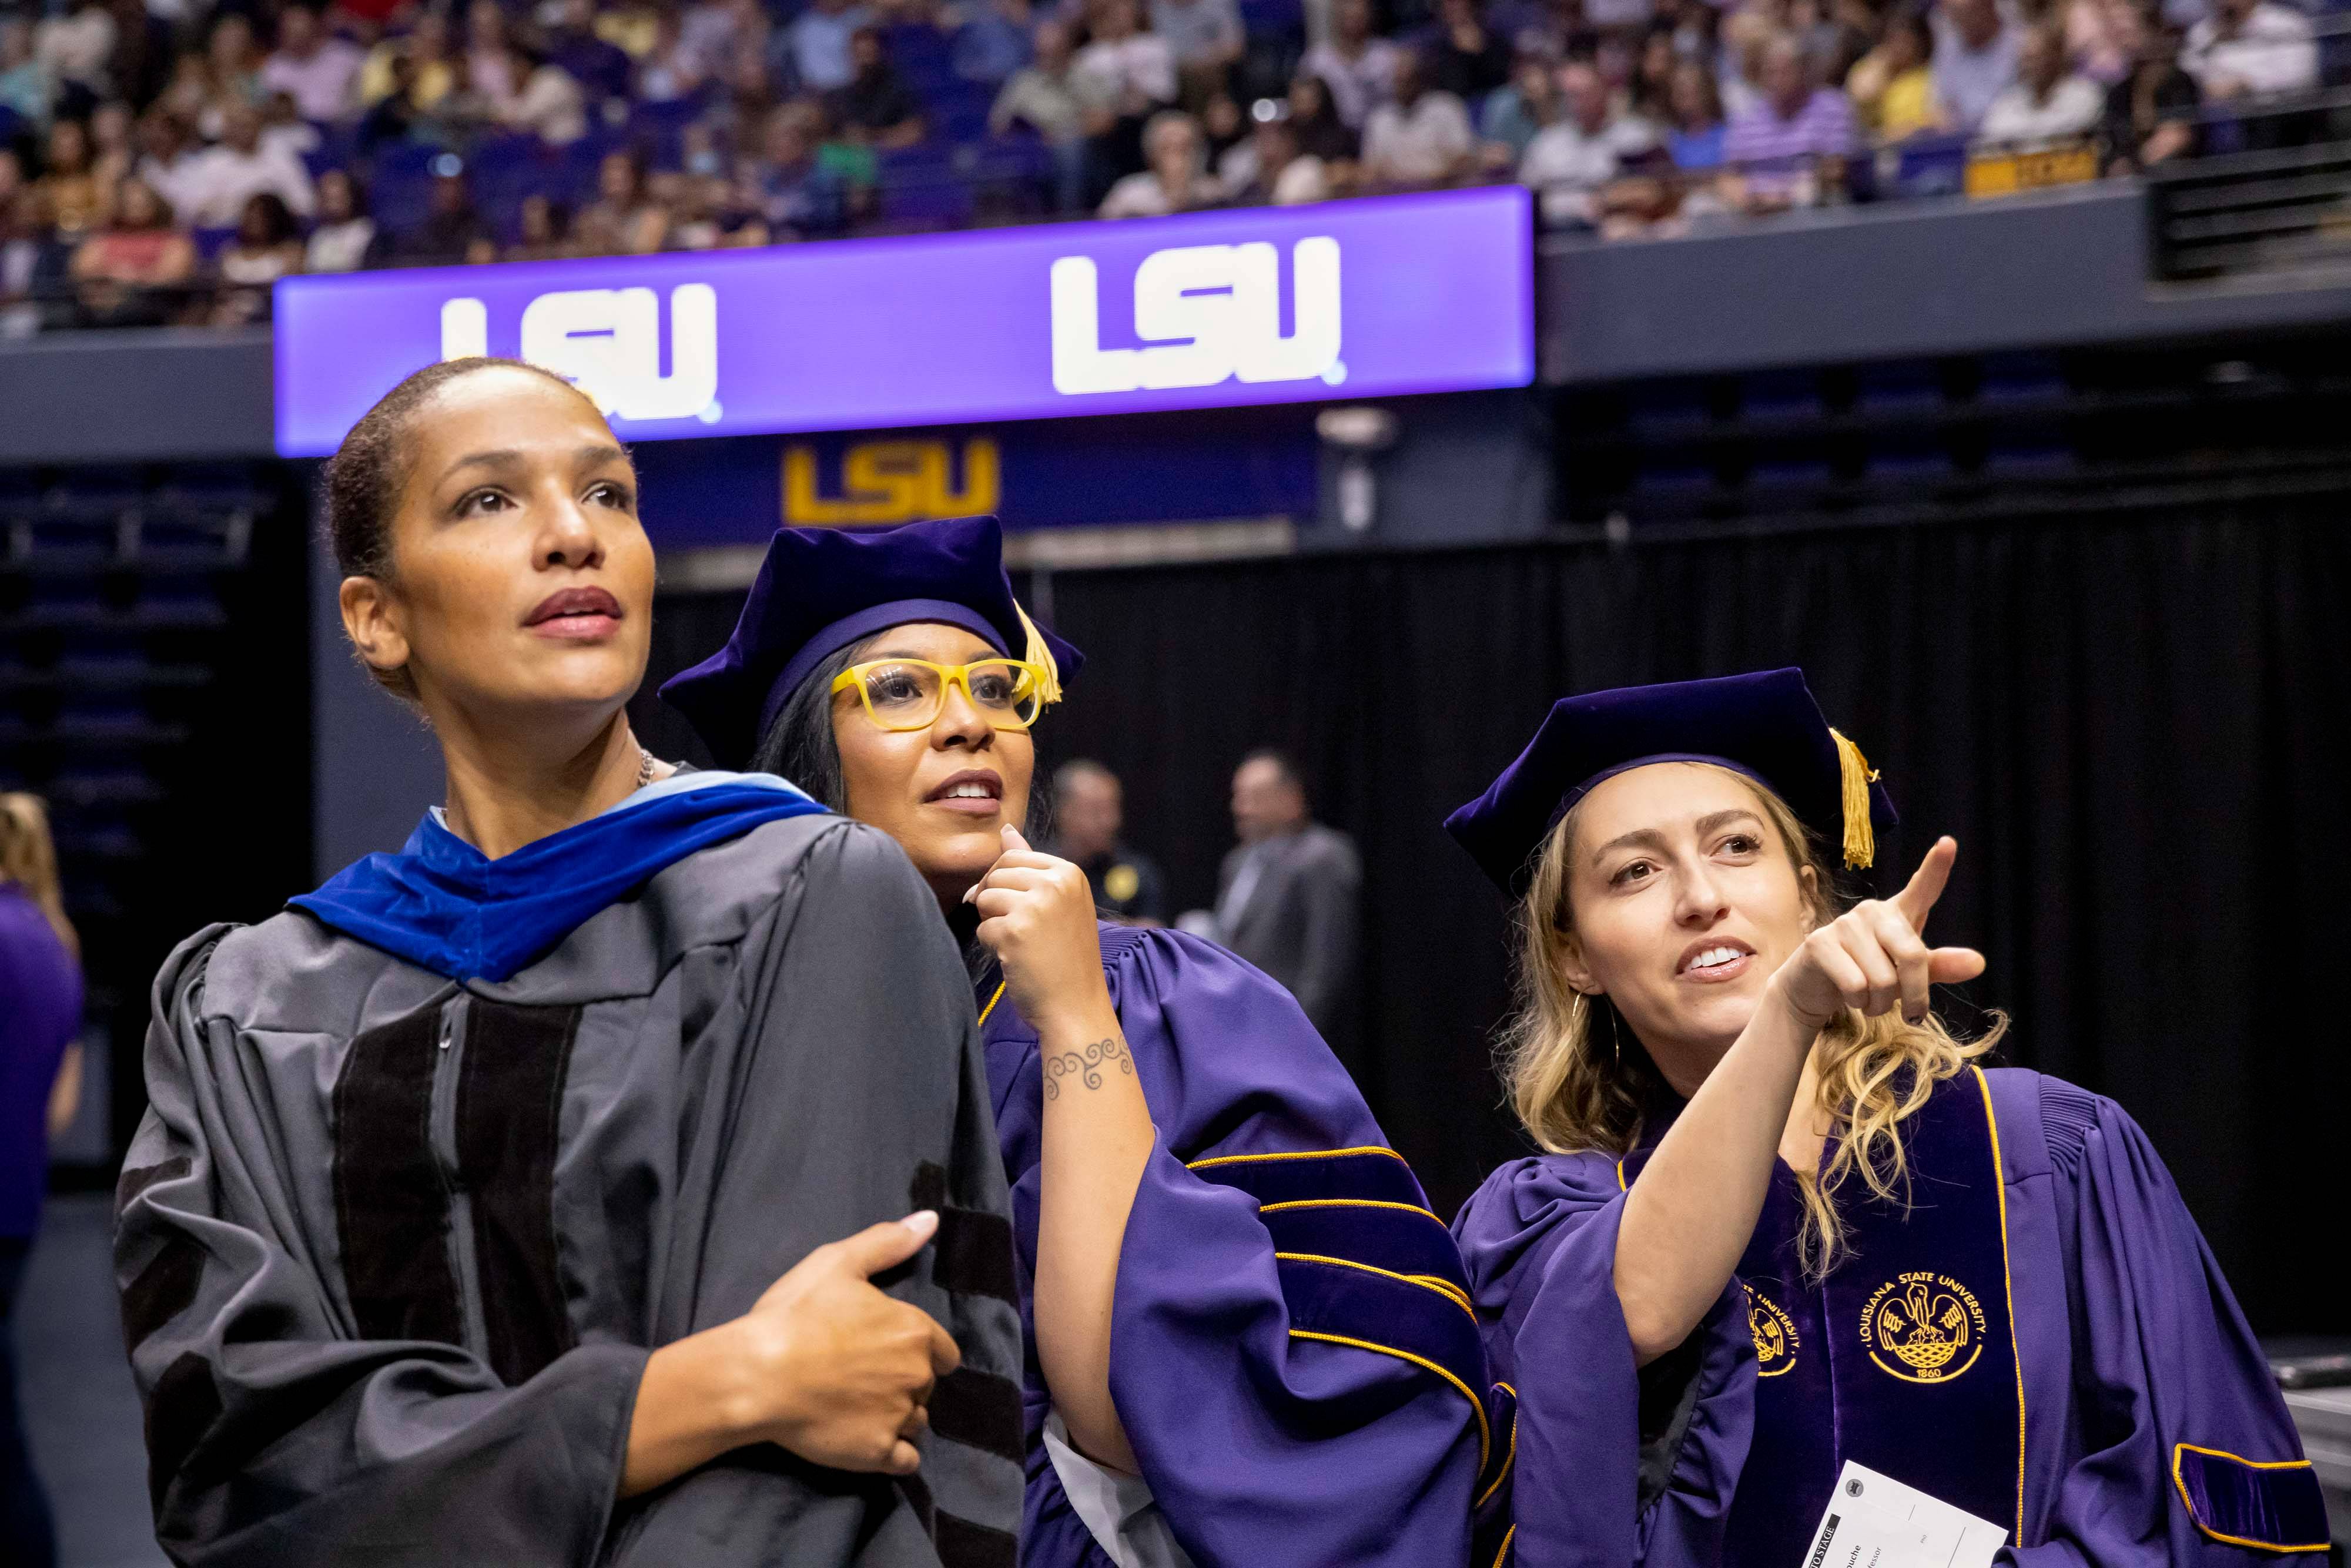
1576	1089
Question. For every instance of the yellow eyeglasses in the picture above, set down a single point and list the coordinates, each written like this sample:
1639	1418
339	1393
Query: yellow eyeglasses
907	693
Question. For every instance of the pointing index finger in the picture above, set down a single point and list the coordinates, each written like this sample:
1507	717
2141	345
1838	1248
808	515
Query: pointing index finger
1916	901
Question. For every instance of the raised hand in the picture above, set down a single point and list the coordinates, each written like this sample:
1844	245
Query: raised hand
847	1371
1875	955
1037	915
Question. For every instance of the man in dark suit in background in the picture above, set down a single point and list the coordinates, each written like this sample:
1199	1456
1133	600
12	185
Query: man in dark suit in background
1289	897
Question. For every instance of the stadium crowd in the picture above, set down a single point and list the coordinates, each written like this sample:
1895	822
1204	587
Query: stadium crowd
164	161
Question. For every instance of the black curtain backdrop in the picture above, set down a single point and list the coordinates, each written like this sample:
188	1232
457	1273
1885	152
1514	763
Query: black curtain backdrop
2135	729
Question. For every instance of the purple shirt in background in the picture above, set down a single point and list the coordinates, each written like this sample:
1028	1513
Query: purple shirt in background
40	1013
1823	127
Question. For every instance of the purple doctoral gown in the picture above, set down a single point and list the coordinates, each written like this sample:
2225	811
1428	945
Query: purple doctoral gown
1291	1352
2152	1432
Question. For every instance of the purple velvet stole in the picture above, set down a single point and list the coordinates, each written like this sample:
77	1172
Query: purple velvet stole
1904	1359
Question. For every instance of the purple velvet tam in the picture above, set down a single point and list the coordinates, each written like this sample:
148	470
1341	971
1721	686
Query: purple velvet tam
821	590
1765	726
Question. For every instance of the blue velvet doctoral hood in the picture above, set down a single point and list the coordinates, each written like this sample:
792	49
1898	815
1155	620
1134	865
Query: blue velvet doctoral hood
444	905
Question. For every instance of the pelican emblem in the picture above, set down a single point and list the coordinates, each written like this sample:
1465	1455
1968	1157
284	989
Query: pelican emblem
1923	1327
1776	1341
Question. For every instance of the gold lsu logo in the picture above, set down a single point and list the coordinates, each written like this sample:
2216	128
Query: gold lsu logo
1923	1327
1776	1340
892	482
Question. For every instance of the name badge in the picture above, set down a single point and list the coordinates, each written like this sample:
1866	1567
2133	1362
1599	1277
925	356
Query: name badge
1875	1521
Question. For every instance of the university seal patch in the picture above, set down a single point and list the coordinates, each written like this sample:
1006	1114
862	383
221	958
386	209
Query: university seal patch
1923	1327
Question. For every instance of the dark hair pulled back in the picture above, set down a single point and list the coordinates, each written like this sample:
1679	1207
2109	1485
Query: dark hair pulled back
363	481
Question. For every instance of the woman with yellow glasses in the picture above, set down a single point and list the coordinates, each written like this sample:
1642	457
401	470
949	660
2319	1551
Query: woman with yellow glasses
1248	1340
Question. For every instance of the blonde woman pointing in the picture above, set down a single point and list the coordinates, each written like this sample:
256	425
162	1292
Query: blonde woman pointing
1784	1224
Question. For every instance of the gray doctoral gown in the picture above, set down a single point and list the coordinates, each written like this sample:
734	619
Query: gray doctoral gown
394	1247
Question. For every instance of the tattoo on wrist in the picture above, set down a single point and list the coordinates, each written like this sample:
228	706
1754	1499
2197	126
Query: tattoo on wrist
1086	1066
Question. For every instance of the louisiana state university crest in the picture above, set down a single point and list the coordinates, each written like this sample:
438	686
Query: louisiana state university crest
1776	1340
1923	1327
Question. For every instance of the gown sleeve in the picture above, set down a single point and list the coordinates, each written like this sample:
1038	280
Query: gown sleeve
1292	1355
1616	1463
272	1435
2188	1455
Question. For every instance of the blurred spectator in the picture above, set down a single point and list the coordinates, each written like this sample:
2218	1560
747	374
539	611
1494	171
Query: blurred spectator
1088	816
795	192
1207	39
40	1084
1465	58
168	157
71	191
669	71
1512	115
145	50
1694	134
2103	37
1420	138
817	41
419	66
2152	113
1586	149
233	67
1175	179
1042	96
345	235
1652	86
993	40
492	73
1792	145
1892	88
549	105
112	155
544	230
451	233
2249	48
876	108
1974	59
135	271
1570	162
283	127
1122	78
629	25
73	48
600	66
712	32
1288	896
319	70
20	253
1357	69
1314	118
223	180
849	164
2049	101
267	247
25	82
1278	172
605	225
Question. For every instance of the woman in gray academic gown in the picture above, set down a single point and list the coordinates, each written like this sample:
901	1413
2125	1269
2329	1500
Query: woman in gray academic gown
533	1196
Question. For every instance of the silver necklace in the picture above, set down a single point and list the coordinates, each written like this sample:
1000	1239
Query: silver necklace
645	765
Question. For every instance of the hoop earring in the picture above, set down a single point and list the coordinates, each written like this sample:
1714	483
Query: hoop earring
1615	1041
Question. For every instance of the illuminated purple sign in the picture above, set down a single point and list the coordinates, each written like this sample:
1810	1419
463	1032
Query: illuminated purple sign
1367	298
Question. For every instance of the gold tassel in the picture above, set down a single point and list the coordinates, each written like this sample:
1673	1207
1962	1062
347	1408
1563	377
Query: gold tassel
1041	655
1860	839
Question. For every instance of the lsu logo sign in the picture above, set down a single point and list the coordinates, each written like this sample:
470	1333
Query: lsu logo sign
892	482
1205	313
607	343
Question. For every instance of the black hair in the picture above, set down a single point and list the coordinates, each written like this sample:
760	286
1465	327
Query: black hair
800	744
361	484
